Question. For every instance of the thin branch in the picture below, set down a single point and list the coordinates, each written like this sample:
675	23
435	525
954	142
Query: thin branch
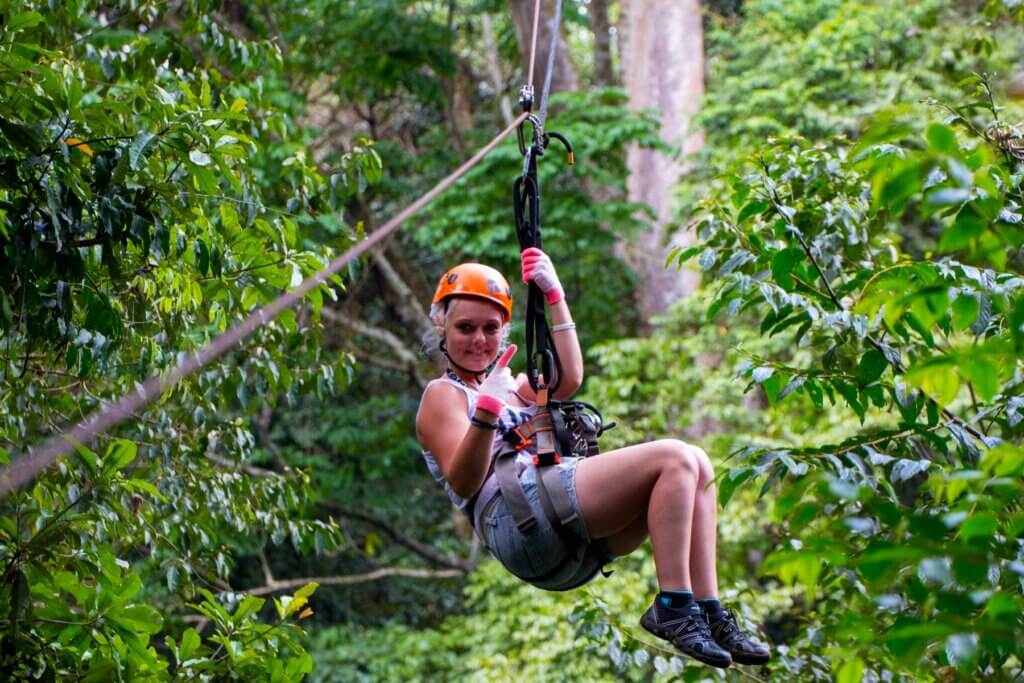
420	549
351	579
251	470
409	360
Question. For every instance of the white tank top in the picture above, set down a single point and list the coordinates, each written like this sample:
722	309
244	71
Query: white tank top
510	418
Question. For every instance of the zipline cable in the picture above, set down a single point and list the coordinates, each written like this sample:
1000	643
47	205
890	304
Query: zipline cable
542	360
27	468
552	52
533	43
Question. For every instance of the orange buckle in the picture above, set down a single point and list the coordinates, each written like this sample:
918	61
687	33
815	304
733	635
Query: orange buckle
523	441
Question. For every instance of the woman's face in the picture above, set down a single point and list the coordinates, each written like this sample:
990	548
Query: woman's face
473	332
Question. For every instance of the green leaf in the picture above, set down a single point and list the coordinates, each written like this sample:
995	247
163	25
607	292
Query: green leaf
728	484
782	265
137	618
190	642
202	254
146	486
250	605
852	671
967	228
22	21
965	311
137	150
772	386
941	139
89	458
119	454
307	590
982	373
980	525
753	208
229	218
937	378
872	366
897	188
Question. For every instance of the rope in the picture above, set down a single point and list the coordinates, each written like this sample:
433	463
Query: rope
26	469
552	51
533	42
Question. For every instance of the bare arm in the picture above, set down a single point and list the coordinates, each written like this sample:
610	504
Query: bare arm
568	346
461	450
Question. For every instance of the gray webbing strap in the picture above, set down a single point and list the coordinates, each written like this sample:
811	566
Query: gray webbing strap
512	491
552	488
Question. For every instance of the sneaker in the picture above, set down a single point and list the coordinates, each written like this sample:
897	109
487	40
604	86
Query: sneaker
743	649
687	629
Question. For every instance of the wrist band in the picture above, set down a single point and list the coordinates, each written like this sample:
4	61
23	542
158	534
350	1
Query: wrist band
476	422
490	404
563	326
554	296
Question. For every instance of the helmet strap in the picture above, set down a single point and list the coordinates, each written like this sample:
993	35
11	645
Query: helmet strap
479	375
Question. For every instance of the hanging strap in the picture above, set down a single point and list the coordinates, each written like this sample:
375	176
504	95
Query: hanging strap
512	491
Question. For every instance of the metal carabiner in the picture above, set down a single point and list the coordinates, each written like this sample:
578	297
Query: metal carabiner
521	135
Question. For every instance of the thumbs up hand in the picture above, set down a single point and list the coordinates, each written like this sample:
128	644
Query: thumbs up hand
499	386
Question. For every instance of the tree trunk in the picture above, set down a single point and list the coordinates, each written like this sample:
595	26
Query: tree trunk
603	73
494	68
564	78
663	67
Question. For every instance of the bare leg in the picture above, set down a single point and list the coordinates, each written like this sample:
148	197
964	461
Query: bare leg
630	538
658	479
704	550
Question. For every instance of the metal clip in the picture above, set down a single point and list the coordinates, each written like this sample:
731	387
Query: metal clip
526	97
521	135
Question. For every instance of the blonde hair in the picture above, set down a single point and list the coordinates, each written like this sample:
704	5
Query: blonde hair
431	341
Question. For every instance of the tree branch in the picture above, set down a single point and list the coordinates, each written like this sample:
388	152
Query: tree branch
409	360
420	549
251	470
351	579
406	302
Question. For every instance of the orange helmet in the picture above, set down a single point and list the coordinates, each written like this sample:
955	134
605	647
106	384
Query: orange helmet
475	279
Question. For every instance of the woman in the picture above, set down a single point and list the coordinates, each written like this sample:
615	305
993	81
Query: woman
660	489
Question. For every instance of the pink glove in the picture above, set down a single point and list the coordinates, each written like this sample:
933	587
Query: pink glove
499	386
537	267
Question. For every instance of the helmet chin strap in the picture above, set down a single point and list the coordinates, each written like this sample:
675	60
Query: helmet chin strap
478	374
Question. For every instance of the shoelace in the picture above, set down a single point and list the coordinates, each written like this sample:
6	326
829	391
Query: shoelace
689	627
728	631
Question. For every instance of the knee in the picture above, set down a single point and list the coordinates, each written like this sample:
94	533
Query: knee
679	456
704	466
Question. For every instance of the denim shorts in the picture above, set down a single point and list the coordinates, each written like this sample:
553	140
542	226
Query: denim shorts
540	556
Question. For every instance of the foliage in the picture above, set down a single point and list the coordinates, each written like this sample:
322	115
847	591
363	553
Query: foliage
146	206
908	530
818	69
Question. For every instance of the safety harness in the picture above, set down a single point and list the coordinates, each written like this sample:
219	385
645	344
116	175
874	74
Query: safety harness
558	428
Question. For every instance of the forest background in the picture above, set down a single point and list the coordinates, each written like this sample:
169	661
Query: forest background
805	258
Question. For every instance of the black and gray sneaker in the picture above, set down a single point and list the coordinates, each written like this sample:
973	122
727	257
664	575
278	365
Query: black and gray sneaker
727	633
687	629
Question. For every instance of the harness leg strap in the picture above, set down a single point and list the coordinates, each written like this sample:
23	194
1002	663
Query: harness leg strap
552	488
512	491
